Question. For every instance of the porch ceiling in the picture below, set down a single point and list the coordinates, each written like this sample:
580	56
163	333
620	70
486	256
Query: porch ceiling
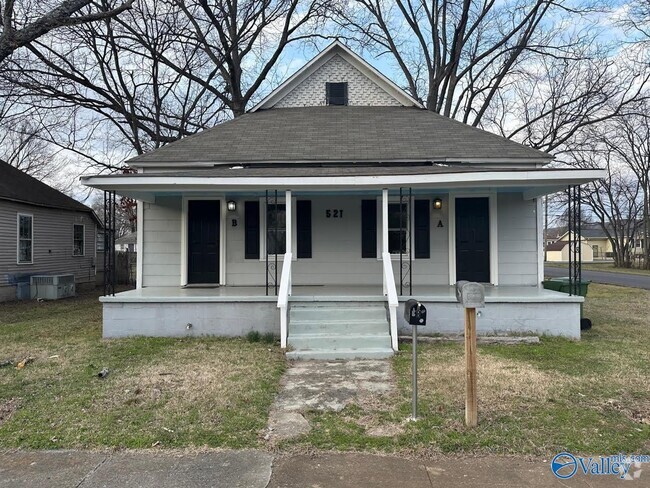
532	182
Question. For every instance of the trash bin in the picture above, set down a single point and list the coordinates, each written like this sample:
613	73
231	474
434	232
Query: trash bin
563	285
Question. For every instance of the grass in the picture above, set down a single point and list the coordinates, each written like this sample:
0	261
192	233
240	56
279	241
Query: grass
591	396
159	391
603	267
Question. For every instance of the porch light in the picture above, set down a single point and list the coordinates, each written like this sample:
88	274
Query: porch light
232	205
437	203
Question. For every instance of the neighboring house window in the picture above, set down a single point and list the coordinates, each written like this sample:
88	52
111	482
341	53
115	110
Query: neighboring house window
397	233
78	245
276	225
337	93
25	238
100	241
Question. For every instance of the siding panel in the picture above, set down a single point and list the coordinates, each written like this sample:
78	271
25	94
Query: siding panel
52	243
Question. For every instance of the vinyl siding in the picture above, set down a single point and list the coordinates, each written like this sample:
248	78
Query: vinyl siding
161	250
52	243
517	239
336	245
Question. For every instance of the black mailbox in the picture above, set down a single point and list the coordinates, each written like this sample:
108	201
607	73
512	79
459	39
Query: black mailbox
415	313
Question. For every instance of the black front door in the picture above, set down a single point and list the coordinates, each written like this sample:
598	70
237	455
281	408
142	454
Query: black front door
473	239
203	241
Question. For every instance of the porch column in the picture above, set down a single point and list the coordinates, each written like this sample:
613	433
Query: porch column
384	229
384	221
288	221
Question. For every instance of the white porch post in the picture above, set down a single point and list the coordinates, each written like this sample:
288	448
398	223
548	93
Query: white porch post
384	227
289	225
287	200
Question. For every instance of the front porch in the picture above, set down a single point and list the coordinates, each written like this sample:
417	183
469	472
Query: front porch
236	310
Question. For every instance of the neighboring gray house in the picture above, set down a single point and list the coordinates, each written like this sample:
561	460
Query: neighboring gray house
319	212
42	231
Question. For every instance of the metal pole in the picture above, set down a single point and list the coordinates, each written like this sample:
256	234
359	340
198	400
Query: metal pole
410	232
414	407
275	271
266	241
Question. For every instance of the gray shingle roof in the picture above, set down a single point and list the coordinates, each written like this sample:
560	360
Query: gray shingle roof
332	134
20	187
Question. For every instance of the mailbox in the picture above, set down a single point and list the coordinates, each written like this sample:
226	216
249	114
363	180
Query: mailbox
470	294
415	313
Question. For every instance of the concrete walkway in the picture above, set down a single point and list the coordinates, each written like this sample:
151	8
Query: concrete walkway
253	469
324	386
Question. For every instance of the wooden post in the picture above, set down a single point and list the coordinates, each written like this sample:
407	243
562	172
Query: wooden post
471	408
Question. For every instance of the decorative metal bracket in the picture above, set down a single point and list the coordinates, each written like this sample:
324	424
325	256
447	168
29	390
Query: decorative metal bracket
405	262
271	261
575	239
109	242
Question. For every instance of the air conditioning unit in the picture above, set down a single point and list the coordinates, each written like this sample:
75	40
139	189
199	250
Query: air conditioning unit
52	287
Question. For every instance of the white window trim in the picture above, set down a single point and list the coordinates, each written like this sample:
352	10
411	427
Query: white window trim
83	249
31	216
184	247
380	226
294	237
494	237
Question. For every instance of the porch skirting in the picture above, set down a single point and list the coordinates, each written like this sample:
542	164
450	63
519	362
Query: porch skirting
235	311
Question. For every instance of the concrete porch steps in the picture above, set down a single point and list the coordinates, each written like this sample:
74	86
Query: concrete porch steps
338	330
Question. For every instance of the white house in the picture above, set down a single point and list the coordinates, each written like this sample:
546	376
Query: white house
319	212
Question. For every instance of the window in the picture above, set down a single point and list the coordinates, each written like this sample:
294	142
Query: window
78	244
100	241
276	225
397	233
337	93
25	238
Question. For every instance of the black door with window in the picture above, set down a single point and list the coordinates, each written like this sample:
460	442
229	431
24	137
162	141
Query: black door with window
473	239
203	241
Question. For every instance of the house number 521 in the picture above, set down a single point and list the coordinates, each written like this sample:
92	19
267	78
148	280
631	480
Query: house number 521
334	214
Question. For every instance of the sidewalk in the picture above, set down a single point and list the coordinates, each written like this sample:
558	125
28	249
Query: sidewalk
258	469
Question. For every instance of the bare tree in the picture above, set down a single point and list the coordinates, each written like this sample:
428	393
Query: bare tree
522	68
628	137
616	201
23	22
243	41
114	87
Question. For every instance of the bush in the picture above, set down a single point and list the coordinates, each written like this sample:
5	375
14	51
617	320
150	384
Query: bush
268	338
253	336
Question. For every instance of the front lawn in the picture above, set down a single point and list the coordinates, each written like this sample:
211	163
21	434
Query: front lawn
591	396
158	392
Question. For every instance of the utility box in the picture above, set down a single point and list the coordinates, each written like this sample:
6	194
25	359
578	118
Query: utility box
52	287
470	294
415	313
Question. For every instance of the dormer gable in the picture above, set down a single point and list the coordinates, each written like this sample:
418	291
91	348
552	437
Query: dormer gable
337	76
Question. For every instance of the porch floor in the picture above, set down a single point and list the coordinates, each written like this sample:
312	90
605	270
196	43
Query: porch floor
440	293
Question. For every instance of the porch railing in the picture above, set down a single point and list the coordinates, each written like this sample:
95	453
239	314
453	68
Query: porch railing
390	291
283	297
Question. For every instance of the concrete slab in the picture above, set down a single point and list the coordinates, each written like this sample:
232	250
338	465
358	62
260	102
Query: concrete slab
361	470
225	469
331	385
53	469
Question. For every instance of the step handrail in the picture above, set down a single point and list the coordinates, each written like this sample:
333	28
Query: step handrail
283	297
390	291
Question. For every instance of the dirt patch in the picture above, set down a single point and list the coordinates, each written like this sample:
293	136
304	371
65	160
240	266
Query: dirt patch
7	409
637	411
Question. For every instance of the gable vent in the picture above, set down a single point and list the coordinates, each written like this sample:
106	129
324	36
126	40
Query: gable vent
337	93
